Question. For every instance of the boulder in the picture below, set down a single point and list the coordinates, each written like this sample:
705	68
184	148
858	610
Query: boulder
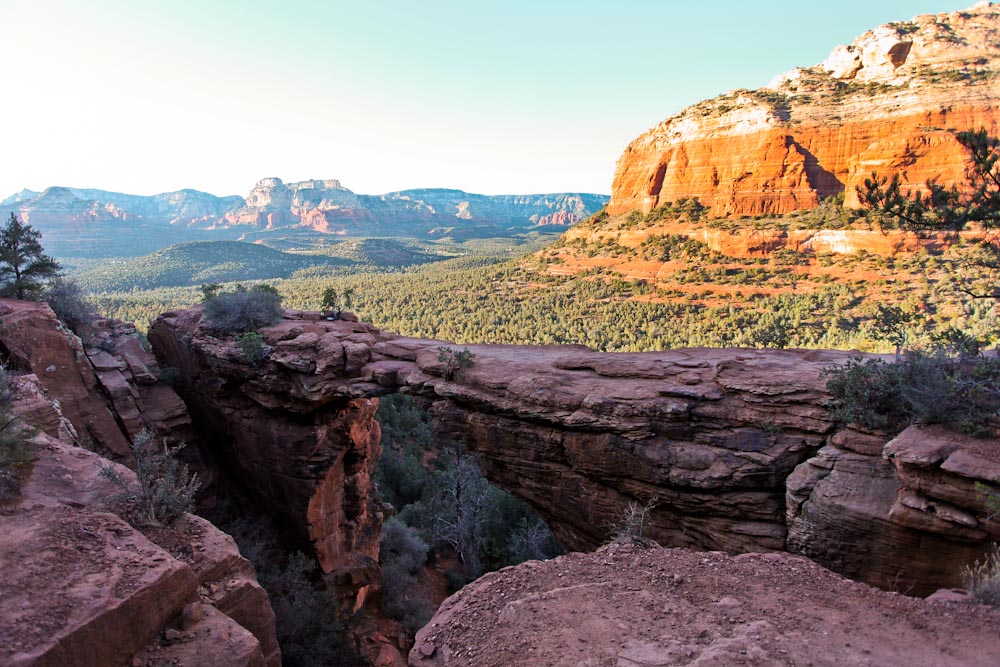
84	587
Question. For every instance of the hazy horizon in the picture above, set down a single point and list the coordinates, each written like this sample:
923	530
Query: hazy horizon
511	98
4	196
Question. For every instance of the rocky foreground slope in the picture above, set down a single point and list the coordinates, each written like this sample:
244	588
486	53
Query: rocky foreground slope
732	449
735	449
633	606
81	586
888	102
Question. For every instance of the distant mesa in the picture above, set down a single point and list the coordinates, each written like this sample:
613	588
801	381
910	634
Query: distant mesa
77	221
888	102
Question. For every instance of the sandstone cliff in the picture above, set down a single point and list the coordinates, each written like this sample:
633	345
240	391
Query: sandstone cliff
734	447
329	208
83	587
749	242
293	432
108	386
888	102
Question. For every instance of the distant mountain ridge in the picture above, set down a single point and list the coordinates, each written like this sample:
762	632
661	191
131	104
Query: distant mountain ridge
75	221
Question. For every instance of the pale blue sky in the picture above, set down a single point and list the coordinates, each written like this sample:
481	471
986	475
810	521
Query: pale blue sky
147	96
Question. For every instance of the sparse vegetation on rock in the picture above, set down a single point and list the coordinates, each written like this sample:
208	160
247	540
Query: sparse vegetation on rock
334	302
67	301
631	527
252	345
935	387
242	310
163	489
982	580
455	361
893	325
15	451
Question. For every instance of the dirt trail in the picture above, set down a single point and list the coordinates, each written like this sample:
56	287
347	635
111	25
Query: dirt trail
629	606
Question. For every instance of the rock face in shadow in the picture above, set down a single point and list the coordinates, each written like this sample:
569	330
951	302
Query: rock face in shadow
896	509
889	102
107	387
83	587
292	431
627	605
732	450
34	341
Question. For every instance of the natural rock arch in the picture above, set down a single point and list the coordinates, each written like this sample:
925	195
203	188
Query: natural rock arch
735	447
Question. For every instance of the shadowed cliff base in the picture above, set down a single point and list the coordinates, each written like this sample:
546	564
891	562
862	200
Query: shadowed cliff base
86	584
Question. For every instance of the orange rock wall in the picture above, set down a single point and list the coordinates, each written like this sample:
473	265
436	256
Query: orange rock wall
788	168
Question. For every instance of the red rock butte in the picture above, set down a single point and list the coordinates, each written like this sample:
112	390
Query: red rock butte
890	102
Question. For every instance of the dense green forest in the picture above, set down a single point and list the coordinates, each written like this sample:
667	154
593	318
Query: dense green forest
196	263
495	300
512	291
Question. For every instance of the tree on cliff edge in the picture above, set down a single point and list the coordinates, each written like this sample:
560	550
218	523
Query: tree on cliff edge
23	266
951	209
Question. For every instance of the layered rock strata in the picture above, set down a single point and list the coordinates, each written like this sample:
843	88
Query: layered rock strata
90	222
749	242
293	432
889	102
730	449
108	387
83	587
892	510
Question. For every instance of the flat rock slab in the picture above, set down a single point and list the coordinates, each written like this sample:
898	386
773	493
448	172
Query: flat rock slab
628	606
83	588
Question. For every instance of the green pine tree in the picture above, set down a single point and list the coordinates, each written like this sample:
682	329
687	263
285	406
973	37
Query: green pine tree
23	265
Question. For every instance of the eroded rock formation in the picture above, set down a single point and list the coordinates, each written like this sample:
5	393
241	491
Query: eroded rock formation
631	606
108	388
734	449
294	432
887	103
83	587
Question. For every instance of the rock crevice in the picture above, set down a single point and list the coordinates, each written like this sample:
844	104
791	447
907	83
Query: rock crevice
82	586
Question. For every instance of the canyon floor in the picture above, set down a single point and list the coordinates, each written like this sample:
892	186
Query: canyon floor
630	605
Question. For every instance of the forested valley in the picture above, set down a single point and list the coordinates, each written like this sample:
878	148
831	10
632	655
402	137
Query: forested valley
495	291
